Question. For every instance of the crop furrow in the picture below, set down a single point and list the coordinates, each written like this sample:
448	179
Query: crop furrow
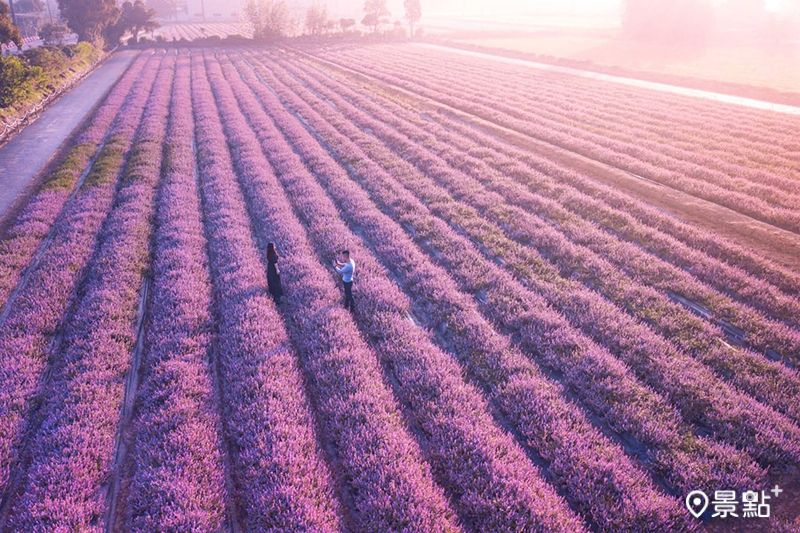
373	449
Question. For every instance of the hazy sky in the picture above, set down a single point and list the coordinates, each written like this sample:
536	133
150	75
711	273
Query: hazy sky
503	8
494	8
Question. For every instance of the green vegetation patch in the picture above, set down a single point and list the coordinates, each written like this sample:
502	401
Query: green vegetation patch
108	163
30	76
70	169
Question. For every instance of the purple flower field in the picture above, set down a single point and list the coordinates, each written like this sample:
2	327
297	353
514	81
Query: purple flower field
532	349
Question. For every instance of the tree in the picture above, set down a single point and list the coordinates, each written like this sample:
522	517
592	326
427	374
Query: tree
8	31
89	18
167	9
138	18
346	24
53	33
375	14
28	6
316	19
17	80
27	15
271	19
413	13
135	18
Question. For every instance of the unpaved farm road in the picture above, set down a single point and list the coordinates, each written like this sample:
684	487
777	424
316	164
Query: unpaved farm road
31	148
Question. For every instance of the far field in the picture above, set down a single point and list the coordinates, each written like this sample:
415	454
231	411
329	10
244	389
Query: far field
576	302
198	30
754	63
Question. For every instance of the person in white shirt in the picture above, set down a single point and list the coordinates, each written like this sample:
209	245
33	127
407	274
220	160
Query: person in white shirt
347	267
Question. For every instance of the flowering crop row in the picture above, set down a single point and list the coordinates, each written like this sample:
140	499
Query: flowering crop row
625	118
497	488
580	459
386	480
703	253
633	158
767	299
72	453
22	238
587	369
178	481
768	381
279	470
700	396
625	114
496	466
37	311
649	228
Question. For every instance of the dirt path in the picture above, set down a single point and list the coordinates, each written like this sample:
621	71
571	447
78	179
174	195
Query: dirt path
30	149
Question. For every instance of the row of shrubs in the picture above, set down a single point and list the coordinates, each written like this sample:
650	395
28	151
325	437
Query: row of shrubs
28	77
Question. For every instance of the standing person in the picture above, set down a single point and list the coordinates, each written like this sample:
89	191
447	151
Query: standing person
347	267
274	274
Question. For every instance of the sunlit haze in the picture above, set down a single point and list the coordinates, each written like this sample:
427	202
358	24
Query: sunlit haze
400	266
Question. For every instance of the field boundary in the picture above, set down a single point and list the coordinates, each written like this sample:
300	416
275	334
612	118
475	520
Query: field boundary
123	441
781	245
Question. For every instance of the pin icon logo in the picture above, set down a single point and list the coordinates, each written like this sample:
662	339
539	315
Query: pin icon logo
697	503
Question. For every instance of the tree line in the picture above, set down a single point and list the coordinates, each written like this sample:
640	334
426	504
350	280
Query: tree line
105	22
272	20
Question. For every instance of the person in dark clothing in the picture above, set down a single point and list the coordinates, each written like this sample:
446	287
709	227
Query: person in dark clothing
273	274
347	267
